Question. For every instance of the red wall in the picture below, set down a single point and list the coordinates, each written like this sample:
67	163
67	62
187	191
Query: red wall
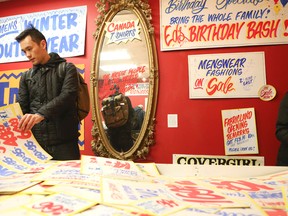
200	127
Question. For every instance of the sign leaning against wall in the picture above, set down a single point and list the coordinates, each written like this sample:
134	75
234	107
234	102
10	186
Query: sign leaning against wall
204	24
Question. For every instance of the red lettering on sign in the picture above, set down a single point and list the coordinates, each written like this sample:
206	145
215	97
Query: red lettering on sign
112	27
267	29
225	87
196	194
240	185
50	207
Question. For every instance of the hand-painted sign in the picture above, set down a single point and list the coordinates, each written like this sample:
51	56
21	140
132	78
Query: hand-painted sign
64	30
117	32
217	160
239	128
229	75
194	24
19	149
267	92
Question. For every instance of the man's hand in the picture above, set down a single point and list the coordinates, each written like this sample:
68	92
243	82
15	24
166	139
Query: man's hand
28	121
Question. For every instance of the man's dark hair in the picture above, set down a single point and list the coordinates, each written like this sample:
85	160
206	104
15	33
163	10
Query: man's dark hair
34	33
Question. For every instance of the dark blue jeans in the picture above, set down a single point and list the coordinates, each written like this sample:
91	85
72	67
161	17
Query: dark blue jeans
65	151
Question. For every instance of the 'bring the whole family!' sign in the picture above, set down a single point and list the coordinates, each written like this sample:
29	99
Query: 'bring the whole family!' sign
64	30
239	129
194	24
229	75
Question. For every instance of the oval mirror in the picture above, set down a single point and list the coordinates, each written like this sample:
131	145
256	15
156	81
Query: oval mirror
124	80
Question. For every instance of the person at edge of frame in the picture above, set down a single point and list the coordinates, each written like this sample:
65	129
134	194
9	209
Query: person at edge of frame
282	132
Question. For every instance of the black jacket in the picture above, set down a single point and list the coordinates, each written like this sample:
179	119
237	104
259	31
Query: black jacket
282	132
51	92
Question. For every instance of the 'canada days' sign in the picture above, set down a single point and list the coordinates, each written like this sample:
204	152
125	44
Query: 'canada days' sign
229	75
64	30
194	24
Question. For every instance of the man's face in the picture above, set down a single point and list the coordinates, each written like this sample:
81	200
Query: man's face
36	53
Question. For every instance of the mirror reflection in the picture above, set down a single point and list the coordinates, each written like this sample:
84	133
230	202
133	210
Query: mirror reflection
123	80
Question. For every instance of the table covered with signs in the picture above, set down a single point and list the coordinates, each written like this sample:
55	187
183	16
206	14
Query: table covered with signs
103	186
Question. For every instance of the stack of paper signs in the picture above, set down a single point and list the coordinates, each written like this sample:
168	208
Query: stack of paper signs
105	186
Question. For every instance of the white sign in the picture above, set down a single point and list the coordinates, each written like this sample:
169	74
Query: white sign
185	159
117	32
205	24
19	150
228	75
64	30
239	128
137	89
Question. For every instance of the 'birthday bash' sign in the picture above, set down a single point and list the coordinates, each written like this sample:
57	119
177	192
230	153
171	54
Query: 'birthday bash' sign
64	30
194	24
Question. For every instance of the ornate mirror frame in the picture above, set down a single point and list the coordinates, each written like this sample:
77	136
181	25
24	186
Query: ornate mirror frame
100	143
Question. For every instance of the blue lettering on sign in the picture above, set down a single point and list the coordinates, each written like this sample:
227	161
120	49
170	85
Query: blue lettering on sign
63	21
5	171
147	193
196	6
219	17
11	162
129	192
265	195
33	149
13	93
3	86
65	43
223	4
233	149
7	50
123	35
179	20
18	152
222	63
8	28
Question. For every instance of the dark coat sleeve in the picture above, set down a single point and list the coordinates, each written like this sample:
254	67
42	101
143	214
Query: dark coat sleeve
282	121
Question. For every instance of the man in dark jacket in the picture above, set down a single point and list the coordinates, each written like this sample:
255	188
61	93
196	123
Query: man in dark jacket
47	96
